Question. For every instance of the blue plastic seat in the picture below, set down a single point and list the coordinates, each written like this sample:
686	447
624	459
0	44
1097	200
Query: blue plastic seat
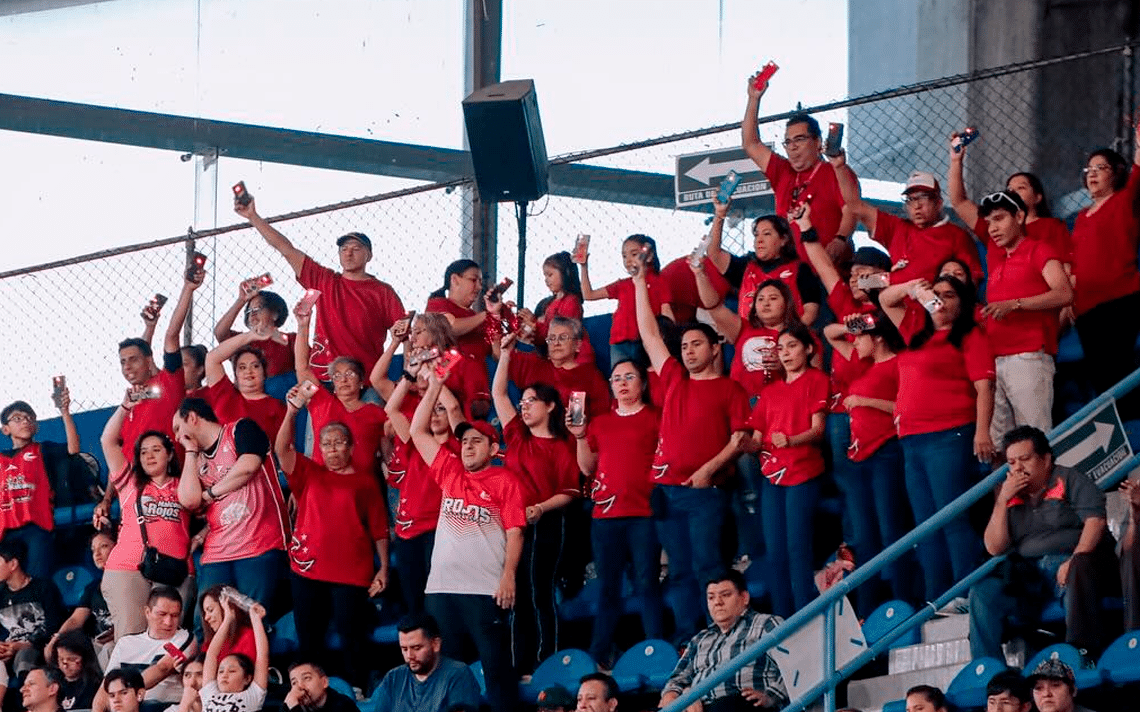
886	618
566	668
1086	678
895	706
342	686
476	669
582	606
646	666
283	639
71	582
1120	662
968	688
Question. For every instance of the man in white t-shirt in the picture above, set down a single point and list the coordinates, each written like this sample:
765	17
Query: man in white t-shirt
148	653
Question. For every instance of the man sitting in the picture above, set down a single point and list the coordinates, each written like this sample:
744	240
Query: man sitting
31	609
735	627
40	692
429	682
1051	519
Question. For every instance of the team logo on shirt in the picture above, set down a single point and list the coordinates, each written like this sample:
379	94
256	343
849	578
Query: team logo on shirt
234	513
605	503
772	467
757	351
29	456
16	489
160	509
458	507
298	550
786	274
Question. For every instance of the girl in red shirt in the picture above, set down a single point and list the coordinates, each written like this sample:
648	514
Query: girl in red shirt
239	637
247	398
788	423
565	300
615	450
943	411
541	452
265	312
625	341
462	287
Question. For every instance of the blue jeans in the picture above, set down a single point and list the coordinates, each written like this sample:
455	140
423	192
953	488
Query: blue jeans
41	549
256	577
880	516
746	508
688	523
838	433
789	534
941	466
616	542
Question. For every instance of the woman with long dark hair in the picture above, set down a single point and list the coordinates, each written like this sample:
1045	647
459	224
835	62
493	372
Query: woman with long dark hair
456	300
75	657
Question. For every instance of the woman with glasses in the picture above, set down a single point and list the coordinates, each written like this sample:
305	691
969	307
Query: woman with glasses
462	287
341	529
263	311
344	404
615	450
540	452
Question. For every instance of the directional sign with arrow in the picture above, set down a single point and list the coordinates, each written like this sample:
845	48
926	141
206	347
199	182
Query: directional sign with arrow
699	175
1096	445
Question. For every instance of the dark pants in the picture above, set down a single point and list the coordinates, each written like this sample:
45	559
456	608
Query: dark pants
789	534
746	508
413	557
534	621
41	549
1130	581
688	523
838	432
880	515
1108	337
473	621
256	577
617	542
315	605
941	466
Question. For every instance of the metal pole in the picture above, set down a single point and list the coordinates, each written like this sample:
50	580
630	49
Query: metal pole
520	279
829	657
1128	99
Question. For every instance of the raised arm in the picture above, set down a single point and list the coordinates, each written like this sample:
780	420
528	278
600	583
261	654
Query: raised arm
395	416
172	341
69	428
217	356
647	322
301	347
421	421
849	188
284	443
224	329
276	240
966	209
502	400
893	299
111	439
454	408
589	294
817	253
587	458
716	253
214	650
261	645
836	335
750	129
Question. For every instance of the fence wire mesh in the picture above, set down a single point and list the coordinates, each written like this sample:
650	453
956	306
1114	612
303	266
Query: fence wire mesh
1042	117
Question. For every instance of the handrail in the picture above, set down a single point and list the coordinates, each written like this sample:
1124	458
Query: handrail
825	602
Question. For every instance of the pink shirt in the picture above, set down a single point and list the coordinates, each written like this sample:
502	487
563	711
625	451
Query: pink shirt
167	523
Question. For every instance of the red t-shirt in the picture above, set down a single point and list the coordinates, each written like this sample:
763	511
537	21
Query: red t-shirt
156	414
1104	249
936	381
624	326
474	342
698	420
753	347
845	370
353	316
546	466
25	493
1016	275
278	356
820	182
871	427
418	509
623	479
683	287
366	424
754	276
788	408
1051	231
569	306
230	405
468	380
244	643
167	523
526	369
919	253
339	519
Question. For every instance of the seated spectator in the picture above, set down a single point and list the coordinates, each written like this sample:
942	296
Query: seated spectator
191	684
265	312
479	541
125	690
562	366
1008	690
926	698
341	523
1055	687
555	698
735	627
597	692
92	604
41	690
565	301
229	469
74	656
430	681
354	309
31	609
145	652
456	300
1051	520
147	488
234	682
30	467
247	397
239	637
309	691
615	450
639	254
1130	556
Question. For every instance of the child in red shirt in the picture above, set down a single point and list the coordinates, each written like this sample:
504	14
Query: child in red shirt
565	300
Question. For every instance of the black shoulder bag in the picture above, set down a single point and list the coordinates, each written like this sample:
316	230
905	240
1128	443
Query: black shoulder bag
156	566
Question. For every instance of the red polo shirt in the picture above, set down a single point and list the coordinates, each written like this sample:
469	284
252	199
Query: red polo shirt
918	253
1017	275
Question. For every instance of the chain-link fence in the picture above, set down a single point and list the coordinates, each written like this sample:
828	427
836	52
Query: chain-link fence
1040	116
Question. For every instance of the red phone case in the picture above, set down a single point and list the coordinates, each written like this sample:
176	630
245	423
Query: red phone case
766	73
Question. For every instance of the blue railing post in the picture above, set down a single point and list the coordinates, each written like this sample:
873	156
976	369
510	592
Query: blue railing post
829	657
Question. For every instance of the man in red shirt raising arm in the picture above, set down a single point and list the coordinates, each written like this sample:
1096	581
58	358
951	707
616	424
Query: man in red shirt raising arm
703	428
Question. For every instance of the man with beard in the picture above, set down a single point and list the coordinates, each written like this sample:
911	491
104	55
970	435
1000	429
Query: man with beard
430	682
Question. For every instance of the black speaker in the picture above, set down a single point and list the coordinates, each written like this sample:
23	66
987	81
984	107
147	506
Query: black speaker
507	148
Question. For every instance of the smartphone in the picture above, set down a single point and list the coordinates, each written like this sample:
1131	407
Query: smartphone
861	324
154	306
728	186
197	264
59	385
310	298
964	138
700	251
577	408
419	357
309	388
500	289
409	318
833	146
241	195
447	361
766	73
263	281
930	301
879	280
581	249
173	651
149	393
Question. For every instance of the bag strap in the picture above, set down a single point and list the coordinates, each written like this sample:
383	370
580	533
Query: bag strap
142	521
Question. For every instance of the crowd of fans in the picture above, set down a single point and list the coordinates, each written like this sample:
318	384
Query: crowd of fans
881	370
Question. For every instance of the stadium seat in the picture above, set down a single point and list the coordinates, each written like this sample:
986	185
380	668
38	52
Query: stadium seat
582	606
646	666
342	686
71	580
968	688
895	706
477	670
283	639
885	618
566	668
1086	678
386	634
1120	662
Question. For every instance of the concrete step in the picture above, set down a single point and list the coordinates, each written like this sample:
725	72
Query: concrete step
943	628
875	692
928	655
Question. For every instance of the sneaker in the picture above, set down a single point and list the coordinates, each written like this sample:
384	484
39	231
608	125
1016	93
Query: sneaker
956	605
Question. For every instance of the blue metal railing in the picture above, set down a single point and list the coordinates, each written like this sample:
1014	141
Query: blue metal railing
826	603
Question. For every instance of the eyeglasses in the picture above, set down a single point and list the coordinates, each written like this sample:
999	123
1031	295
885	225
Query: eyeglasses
345	376
1004	702
21	418
330	444
627	377
1098	168
527	402
561	339
439	409
796	140
919	197
252	310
